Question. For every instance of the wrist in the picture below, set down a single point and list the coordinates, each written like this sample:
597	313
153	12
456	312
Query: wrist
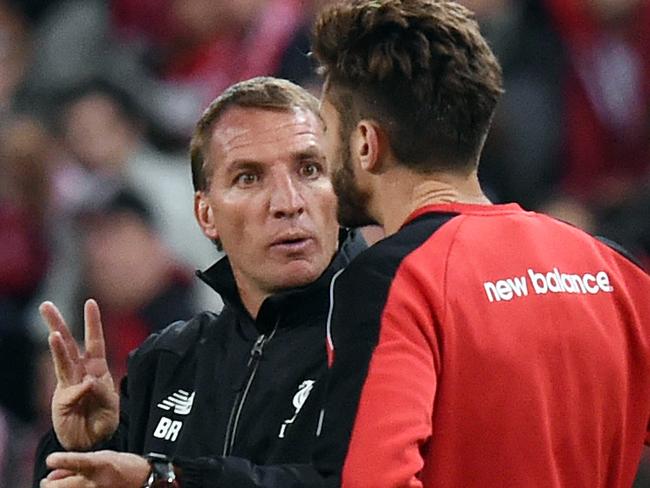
162	473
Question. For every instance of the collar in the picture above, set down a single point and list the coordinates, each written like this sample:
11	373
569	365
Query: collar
294	305
465	209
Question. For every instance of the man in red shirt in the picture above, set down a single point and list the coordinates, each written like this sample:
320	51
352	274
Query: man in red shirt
478	344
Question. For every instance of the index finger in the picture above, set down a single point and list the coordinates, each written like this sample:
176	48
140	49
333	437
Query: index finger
59	474
56	323
94	334
77	462
54	320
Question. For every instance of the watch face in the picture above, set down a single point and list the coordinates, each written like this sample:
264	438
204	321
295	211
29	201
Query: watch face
162	472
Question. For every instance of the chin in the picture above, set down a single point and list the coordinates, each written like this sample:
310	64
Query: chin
299	274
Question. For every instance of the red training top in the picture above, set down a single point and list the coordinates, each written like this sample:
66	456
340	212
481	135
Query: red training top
483	345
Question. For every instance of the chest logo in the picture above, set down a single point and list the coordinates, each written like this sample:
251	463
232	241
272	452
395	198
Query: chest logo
299	400
180	402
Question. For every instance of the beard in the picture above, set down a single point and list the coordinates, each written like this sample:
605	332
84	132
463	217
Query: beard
352	200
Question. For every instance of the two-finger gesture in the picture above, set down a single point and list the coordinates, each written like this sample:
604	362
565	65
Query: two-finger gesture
85	405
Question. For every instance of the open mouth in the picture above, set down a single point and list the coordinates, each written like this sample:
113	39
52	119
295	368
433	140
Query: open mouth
292	244
294	241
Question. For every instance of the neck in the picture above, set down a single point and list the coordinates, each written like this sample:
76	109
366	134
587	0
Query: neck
251	296
403	191
252	303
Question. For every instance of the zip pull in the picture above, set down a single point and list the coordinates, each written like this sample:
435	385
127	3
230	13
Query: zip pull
258	347
252	365
254	355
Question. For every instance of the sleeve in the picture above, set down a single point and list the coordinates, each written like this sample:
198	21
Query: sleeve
647	437
393	419
49	442
379	405
227	472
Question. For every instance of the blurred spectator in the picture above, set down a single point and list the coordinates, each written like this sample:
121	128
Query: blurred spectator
24	258
606	104
520	159
16	448
14	53
102	129
33	10
173	55
23	253
128	269
607	96
102	145
203	46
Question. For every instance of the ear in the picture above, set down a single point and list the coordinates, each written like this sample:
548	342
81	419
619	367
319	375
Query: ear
369	146
204	215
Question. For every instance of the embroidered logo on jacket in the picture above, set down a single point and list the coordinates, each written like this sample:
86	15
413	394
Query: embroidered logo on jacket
179	403
299	400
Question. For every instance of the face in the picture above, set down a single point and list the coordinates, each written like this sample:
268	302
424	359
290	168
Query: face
117	245
270	199
352	199
97	133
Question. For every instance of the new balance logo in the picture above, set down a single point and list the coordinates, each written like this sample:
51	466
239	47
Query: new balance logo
181	402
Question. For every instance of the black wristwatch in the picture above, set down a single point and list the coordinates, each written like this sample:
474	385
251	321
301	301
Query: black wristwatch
162	472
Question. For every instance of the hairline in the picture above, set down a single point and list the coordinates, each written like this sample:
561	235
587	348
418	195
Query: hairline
338	92
210	127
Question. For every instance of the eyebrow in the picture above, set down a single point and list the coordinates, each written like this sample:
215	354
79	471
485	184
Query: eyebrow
313	152
239	164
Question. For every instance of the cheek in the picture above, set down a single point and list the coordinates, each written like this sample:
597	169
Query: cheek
327	198
327	216
236	220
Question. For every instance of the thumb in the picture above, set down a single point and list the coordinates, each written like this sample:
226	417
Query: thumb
69	395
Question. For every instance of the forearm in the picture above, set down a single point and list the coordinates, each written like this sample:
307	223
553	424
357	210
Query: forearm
217	472
50	444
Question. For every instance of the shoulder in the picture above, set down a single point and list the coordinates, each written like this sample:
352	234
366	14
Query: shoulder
178	337
621	251
361	291
380	262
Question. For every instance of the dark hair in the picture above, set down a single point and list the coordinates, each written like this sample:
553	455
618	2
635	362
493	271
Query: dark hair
420	68
112	200
126	103
262	92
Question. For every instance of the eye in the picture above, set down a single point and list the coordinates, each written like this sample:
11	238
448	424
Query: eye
310	170
246	179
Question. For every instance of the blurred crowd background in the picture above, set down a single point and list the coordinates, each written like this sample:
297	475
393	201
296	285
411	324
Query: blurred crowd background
97	102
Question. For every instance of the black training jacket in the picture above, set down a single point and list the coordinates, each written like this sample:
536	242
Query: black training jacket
224	395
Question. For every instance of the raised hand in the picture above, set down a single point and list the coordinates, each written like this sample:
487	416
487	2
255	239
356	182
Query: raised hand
101	469
85	405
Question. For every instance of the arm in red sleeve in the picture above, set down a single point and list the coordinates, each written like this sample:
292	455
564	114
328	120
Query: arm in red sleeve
393	421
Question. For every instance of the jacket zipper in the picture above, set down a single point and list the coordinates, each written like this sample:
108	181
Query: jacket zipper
253	364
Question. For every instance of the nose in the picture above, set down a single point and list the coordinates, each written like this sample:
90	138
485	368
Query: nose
286	199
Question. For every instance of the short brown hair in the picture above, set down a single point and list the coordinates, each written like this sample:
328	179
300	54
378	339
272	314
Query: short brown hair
420	68
263	92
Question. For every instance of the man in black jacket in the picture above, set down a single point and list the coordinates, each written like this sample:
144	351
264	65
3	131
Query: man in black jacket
219	398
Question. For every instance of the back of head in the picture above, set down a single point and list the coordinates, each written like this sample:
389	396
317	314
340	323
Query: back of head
264	92
419	68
